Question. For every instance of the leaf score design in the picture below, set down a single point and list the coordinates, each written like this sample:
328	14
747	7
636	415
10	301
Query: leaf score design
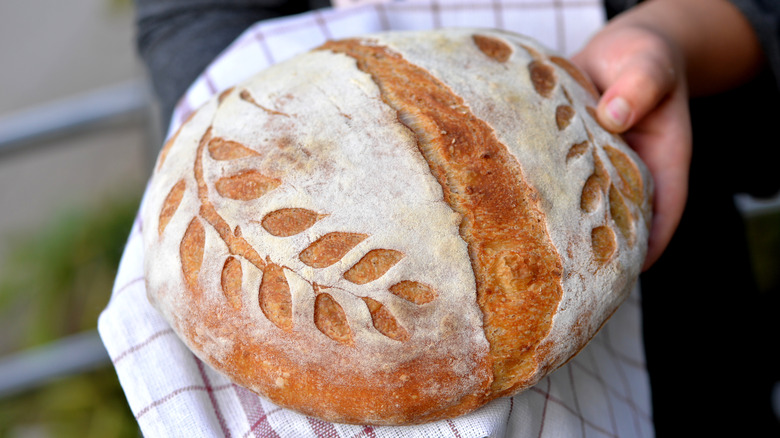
287	222
223	150
414	292
274	296
170	205
373	265
231	281
246	185
330	319
385	322
330	248
191	253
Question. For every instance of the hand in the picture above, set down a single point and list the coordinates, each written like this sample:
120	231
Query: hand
645	97
647	61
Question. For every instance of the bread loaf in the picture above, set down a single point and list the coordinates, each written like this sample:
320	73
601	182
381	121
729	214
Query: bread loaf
397	228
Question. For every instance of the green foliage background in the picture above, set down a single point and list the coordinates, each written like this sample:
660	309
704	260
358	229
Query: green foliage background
54	282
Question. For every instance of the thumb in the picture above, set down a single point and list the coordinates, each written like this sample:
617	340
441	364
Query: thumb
635	89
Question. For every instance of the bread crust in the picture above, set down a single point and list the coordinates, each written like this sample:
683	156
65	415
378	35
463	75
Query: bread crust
398	228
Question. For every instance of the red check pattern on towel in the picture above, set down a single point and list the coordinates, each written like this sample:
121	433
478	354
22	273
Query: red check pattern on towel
602	392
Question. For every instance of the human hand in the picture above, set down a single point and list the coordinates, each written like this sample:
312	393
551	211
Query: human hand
645	97
646	62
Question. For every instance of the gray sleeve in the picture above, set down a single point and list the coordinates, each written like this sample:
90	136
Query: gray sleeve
177	39
764	16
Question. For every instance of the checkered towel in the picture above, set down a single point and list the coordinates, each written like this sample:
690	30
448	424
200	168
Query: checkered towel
602	392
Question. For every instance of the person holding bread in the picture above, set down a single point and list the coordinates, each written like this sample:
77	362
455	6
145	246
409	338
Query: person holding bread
681	81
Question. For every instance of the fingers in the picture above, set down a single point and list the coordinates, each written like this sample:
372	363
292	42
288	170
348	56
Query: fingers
635	70
645	98
663	141
639	87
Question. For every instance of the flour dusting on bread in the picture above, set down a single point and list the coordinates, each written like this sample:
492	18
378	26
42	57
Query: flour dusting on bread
396	228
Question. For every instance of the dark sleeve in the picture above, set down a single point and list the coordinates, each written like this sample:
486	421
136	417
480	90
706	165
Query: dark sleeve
700	299
177	39
764	17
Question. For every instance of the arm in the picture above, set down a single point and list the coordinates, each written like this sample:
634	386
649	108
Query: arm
648	61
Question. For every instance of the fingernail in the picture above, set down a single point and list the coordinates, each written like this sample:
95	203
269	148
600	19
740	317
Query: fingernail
618	111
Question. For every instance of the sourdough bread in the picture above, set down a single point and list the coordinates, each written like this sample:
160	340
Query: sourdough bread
396	228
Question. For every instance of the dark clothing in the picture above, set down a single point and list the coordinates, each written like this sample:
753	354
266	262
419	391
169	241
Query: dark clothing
710	335
178	39
764	16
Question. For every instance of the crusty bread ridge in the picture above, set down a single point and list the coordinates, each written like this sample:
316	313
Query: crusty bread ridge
397	228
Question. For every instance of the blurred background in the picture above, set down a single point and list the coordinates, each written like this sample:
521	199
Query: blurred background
77	138
78	135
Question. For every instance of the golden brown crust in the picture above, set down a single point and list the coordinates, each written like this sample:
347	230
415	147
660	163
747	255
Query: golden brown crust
516	268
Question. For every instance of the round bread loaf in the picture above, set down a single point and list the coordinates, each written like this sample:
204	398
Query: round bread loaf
397	228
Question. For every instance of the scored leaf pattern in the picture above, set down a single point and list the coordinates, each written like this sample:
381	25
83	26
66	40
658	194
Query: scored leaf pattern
191	253
577	150
542	77
373	265
275	299
414	292
577	74
630	179
231	281
246	185
599	187
330	248
330	319
591	195
563	116
384	321
222	150
604	243
274	296
288	222
170	205
618	209
493	47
